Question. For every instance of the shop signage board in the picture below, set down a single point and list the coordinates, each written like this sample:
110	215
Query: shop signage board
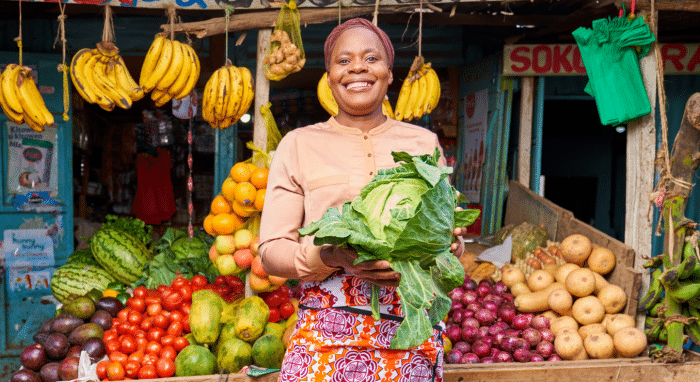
565	59
474	133
238	4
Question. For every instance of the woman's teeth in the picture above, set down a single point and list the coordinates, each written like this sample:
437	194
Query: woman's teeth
354	85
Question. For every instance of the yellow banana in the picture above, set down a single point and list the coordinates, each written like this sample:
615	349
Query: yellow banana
419	107
33	114
88	69
193	76
222	92
175	67
434	85
386	108
161	66
187	67
17	118
226	122
160	97
413	95
248	92
325	96
126	81
404	94
235	97
107	49
105	82
209	98
9	87
150	61
38	100
77	74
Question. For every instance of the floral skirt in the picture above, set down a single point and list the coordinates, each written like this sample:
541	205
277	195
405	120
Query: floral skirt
342	344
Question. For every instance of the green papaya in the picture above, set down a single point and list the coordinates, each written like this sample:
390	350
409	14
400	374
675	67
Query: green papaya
251	318
268	352
195	360
205	316
227	332
233	355
275	329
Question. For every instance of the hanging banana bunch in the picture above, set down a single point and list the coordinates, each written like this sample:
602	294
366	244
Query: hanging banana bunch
20	99
325	97
227	96
170	70
419	93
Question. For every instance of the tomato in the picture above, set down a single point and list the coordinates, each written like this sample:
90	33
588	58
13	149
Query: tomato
161	321
101	369
165	368
140	333
131	369
148	372
220	280
273	300
161	288
199	281
123	328
115	371
172	301
123	315
140	292
286	309
168	352
180	343
274	315
110	335
149	359
153	347
284	291
167	340
128	344
185	308
175	329
178	282
137	304
118	356
141	343
111	346
153	300
176	316
155	334
186	324
136	356
186	292
147	323
153	309
134	318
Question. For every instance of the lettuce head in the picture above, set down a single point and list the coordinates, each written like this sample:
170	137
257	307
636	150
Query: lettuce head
405	215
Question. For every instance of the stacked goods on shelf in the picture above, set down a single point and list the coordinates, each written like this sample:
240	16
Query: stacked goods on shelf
227	96
20	99
170	70
419	93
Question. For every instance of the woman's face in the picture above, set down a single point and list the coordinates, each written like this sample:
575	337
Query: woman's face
359	72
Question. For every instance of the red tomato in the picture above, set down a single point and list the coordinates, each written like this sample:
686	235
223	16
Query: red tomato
274	315
161	321
186	292
118	356
115	371
137	304
122	315
172	301
128	344
134	318
178	282
155	299
112	346
102	369
273	300
141	343
148	372
140	292
136	356
167	340
186	324
131	369
161	288
149	359
180	343
176	316
110	335
123	328
175	329
165	292
153	347
168	352
185	307
153	309
155	334
140	333
165	368
220	280
147	323
199	281
284	291
286	309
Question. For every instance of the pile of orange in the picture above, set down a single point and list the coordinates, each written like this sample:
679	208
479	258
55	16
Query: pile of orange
242	196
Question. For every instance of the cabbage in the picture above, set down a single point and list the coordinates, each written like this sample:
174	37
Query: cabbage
405	215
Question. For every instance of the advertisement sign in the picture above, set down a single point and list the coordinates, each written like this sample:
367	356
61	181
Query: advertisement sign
476	108
29	257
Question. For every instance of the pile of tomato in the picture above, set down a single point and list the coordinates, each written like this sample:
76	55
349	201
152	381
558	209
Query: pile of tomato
278	300
151	330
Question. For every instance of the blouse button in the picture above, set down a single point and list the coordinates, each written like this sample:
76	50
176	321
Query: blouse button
371	172
366	136
369	155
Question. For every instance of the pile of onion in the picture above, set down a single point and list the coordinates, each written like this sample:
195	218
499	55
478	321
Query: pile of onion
484	327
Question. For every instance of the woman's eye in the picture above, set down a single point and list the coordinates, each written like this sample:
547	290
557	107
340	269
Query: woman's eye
373	59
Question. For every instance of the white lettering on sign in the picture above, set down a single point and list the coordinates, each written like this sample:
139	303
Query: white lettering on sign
565	59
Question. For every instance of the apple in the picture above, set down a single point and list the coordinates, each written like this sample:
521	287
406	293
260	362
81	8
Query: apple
225	244
243	257
256	267
227	265
259	284
243	238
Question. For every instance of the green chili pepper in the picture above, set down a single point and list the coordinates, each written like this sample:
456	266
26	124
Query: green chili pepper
123	297
117	285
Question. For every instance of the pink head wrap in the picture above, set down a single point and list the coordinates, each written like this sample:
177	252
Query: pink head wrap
357	23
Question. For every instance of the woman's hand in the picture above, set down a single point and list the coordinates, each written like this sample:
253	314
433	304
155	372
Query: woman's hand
457	247
377	272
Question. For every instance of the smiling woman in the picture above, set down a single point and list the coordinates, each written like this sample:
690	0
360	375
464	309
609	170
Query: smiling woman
322	166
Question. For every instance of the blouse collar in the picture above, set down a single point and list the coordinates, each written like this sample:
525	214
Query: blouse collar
354	130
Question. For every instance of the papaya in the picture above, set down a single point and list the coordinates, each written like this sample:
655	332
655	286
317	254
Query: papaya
229	312
268	352
275	329
227	332
251	317
233	355
205	316
194	360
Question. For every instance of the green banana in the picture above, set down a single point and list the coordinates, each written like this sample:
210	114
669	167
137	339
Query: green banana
689	250
663	335
654	262
654	311
694	303
687	267
654	331
684	290
669	277
693	332
654	293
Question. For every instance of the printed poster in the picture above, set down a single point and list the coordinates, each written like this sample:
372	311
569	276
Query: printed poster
29	258
476	108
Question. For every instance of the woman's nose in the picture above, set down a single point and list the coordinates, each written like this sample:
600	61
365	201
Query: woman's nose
358	65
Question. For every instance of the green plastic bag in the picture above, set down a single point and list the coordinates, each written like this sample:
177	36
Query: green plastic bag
610	53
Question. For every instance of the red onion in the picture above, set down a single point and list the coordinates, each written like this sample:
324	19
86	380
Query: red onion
453	357
487	339
485	316
456	305
494	353
457	315
500	288
481	349
469	358
469	297
486	360
495	329
536	358
469	284
456	294
470	321
554	357
469	333
522	355
532	336
462	347
495	298
513	332
520	322
454	333
497	338
503	357
483	290
509	344
506	314
467	314
540	322
483	333
474	307
521	344
547	335
490	305
545	349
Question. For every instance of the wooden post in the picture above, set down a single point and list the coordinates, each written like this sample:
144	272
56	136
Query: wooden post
262	90
525	141
641	152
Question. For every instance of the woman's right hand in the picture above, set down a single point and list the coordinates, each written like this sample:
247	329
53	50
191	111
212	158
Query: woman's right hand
377	272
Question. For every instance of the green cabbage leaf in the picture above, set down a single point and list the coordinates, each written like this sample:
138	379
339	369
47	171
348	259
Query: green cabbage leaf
405	215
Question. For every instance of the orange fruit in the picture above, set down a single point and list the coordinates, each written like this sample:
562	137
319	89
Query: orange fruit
260	199
256	267
240	172
227	188
208	226
220	205
225	224
241	210
252	167
259	177
245	193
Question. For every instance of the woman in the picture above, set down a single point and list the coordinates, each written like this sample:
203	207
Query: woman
325	165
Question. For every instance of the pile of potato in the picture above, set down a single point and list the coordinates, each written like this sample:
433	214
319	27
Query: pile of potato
284	58
583	308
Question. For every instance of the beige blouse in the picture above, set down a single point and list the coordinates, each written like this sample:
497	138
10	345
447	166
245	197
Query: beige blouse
321	166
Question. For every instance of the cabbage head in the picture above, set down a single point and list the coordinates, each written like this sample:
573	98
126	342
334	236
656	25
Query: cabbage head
405	215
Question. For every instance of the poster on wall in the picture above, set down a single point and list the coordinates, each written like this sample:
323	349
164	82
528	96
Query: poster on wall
29	258
474	133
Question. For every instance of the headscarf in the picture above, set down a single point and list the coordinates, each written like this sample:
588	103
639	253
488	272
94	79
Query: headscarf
357	23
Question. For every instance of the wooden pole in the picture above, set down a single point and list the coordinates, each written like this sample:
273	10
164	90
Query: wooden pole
262	90
525	142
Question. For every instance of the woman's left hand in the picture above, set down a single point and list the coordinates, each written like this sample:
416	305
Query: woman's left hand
457	247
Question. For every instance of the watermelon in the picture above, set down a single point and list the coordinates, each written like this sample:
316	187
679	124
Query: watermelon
75	279
120	254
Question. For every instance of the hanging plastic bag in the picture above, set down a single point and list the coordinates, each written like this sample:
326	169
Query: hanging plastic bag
285	54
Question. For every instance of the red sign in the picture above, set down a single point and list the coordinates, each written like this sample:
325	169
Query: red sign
565	59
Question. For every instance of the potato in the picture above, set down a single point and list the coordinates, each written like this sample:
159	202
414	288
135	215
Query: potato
564	271
613	298
588	310
601	260
600	282
551	268
586	330
599	345
580	282
560	301
511	275
576	249
561	323
519	288
550	315
619	321
539	280
629	342
569	345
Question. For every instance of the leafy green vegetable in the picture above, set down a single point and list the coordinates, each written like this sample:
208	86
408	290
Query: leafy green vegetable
177	254
405	215
134	226
82	256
